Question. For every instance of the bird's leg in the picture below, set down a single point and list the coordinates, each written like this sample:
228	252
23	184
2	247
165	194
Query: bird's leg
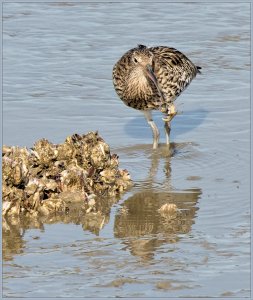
167	131
156	133
169	116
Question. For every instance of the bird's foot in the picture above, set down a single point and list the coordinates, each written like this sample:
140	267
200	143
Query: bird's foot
170	114
163	108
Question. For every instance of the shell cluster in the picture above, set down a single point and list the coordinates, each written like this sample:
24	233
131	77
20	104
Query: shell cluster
52	178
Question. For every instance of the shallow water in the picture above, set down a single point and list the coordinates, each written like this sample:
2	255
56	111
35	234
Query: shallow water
57	62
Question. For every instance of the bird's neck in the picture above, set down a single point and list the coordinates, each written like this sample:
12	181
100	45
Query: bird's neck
138	83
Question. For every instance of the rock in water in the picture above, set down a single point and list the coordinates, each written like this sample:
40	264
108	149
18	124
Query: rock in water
50	178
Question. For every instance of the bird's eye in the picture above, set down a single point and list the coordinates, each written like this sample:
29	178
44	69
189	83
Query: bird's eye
135	60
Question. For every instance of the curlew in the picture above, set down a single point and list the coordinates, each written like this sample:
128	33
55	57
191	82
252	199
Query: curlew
151	79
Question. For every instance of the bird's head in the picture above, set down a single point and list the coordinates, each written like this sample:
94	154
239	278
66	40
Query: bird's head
143	59
143	65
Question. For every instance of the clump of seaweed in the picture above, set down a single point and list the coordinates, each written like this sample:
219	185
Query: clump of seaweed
52	177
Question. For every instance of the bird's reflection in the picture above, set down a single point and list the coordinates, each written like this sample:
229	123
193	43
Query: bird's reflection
141	222
144	228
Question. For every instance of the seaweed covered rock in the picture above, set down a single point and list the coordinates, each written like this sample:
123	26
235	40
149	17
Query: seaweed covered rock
52	177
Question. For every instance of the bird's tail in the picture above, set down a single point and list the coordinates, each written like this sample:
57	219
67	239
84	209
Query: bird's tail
198	69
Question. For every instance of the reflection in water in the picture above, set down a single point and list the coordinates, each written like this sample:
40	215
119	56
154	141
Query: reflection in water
12	239
13	229
140	223
139	217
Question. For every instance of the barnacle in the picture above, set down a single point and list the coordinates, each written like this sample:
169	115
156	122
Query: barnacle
51	178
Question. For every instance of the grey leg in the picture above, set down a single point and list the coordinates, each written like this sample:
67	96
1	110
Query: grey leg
171	114
167	131
156	133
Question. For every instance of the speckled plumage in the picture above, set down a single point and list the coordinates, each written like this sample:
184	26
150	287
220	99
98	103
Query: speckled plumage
173	71
151	79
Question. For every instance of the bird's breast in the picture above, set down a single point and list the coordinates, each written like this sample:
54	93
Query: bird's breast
139	92
135	89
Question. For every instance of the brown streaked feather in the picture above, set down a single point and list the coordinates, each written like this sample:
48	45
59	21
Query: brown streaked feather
173	70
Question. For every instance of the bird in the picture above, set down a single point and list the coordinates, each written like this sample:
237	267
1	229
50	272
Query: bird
151	78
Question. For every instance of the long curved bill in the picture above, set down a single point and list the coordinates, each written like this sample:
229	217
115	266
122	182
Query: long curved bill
152	76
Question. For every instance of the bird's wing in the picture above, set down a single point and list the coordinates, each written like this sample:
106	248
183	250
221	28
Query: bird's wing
173	69
172	59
